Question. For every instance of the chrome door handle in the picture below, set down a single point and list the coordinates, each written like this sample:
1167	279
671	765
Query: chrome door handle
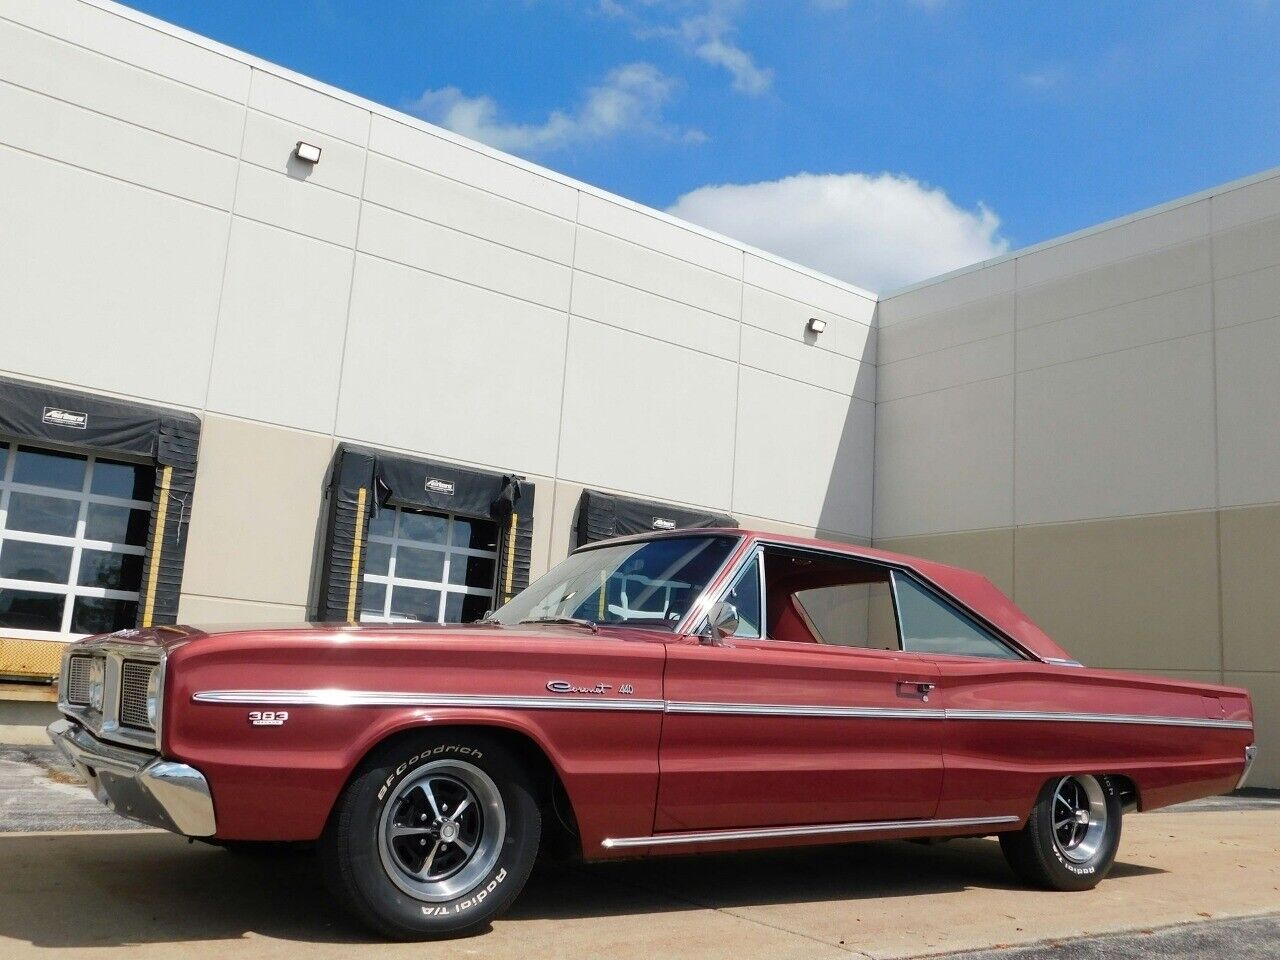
919	689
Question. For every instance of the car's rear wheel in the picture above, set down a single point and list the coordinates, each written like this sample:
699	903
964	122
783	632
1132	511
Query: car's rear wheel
1071	838
434	836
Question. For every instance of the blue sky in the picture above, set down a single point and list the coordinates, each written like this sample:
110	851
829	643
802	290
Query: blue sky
998	124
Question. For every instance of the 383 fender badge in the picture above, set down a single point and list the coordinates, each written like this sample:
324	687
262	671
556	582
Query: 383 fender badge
268	718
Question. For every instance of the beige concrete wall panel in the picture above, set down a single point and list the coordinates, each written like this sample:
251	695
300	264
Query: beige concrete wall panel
989	552
255	512
1135	593
943	369
1250	601
970	322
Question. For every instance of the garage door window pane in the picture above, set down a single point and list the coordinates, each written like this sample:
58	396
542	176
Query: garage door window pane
33	513
38	562
410	603
373	600
414	564
29	610
103	615
116	524
113	571
423	527
127	481
73	535
427	567
49	468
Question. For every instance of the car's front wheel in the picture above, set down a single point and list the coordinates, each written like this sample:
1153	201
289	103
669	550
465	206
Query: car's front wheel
434	836
1071	838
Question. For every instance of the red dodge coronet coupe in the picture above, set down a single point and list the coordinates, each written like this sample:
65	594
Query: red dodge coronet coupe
671	693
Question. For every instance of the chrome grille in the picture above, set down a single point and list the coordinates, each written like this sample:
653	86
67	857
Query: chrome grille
134	678
78	681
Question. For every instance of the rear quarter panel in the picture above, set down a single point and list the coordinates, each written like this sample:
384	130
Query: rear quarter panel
1001	764
280	783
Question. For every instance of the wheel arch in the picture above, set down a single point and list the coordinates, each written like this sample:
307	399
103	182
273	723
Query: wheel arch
551	790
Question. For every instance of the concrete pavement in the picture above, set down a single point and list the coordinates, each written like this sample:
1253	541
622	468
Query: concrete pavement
149	894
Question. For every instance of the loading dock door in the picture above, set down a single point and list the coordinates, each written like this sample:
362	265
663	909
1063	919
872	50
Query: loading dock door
604	515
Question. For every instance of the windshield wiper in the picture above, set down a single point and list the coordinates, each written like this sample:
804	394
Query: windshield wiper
576	621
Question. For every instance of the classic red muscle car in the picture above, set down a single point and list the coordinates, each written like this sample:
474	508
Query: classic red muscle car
671	693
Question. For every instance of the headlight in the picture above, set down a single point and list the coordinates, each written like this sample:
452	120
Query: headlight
153	697
97	682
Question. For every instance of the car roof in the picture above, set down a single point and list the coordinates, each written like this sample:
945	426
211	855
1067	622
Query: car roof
973	590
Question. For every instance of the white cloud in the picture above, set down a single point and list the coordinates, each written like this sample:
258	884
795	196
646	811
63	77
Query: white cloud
706	34
630	100
879	231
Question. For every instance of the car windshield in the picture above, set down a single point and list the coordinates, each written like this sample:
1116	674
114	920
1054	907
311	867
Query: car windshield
652	583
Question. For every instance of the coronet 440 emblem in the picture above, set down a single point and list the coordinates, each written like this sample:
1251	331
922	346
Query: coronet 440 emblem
564	686
268	718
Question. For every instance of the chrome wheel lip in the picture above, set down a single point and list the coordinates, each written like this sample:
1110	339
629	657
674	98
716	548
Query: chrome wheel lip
1079	818
489	808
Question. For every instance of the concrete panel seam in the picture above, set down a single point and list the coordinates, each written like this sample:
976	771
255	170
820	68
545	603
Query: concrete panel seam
813	306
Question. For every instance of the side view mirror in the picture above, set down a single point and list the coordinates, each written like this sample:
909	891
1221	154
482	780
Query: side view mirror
722	622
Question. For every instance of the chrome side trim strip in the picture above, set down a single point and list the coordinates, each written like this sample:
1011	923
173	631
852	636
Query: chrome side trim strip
1138	719
375	698
826	829
802	710
366	698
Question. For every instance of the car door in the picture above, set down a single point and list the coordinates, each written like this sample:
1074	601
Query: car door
763	731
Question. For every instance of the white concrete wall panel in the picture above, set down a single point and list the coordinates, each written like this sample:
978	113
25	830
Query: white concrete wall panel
607	256
1247	297
473	165
660	234
107	285
448	253
949	367
967	323
281	328
947	294
944	460
297	206
1111	245
647	417
126	39
1248	359
1254	246
269	143
654	315
452	370
789	318
1113	284
400	186
73	135
283	98
1258	200
1166	316
803	456
808	287
1117	435
808	364
59	69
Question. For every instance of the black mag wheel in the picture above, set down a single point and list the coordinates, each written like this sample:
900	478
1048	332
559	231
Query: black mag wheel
1071	837
434	836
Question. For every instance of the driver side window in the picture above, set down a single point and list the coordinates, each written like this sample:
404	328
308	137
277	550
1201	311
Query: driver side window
745	597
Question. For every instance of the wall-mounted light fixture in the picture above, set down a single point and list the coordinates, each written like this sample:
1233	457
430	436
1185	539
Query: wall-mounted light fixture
307	152
816	325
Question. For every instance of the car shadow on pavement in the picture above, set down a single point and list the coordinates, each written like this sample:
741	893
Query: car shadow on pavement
96	890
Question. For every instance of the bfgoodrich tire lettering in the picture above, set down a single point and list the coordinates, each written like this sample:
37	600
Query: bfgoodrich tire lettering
1071	838
434	836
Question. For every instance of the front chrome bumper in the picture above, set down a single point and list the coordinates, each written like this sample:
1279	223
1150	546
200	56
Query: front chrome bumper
139	785
1250	754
